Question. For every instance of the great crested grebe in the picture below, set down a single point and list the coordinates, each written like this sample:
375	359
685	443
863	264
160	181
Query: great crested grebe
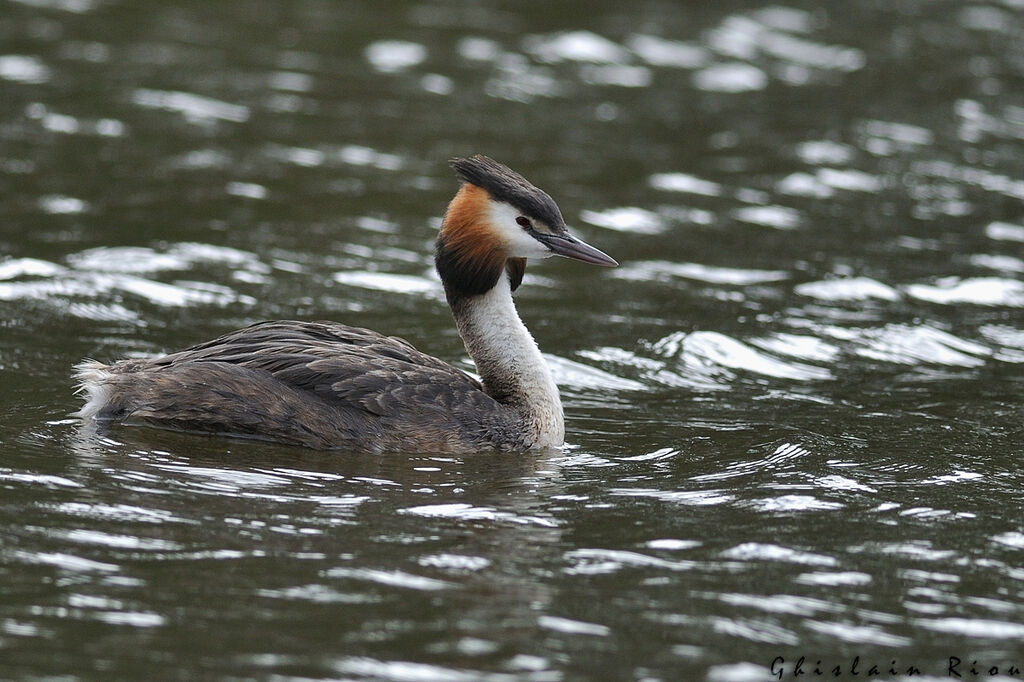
326	385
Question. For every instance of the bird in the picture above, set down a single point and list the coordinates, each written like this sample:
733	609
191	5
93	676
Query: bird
330	386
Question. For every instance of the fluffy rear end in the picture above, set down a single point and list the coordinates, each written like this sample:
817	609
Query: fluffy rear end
218	398
94	382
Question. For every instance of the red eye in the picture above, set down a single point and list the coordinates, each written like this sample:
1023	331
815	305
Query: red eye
524	222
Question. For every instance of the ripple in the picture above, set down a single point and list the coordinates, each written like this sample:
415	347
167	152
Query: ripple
793	503
836	482
118	512
479	49
778	217
32	267
659	455
68	562
730	77
250	190
998	263
456	562
575	46
178	295
693	498
1010	338
849	179
770	33
911	345
988	291
96	537
683	182
393	56
620	75
568	626
779	603
798	346
358	155
804	185
986	18
228	480
956	477
317	594
602	561
44	289
24	69
979	177
974	627
135	619
626	219
858	634
127	259
904	133
818	152
467	512
1014	539
918	550
672	544
390	578
736	672
92	284
658	51
758	551
290	81
298	156
848	289
381	225
1009	232
195	108
437	84
405	671
654	270
976	123
621	356
834	579
829	57
180	256
578	375
74	6
517	80
336	502
383	281
702	351
45	480
782	455
58	204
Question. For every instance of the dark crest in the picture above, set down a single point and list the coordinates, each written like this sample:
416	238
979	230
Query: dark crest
504	184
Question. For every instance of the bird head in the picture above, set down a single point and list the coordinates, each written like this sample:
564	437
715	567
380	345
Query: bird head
496	221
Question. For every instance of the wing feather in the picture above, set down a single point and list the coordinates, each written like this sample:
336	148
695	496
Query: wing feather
291	381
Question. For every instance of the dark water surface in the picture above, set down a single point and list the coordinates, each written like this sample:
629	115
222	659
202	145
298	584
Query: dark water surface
794	412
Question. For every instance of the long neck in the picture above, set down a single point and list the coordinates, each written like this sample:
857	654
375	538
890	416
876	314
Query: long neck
510	364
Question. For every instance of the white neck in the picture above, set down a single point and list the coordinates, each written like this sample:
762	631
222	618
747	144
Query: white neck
510	364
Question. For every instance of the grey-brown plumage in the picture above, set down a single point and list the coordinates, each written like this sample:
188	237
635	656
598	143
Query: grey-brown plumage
327	385
318	384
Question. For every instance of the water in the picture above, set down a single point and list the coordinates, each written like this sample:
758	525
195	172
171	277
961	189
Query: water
794	412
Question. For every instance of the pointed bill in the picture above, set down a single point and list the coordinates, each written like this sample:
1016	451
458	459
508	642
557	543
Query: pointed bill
566	245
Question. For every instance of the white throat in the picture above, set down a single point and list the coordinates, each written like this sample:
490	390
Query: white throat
509	362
